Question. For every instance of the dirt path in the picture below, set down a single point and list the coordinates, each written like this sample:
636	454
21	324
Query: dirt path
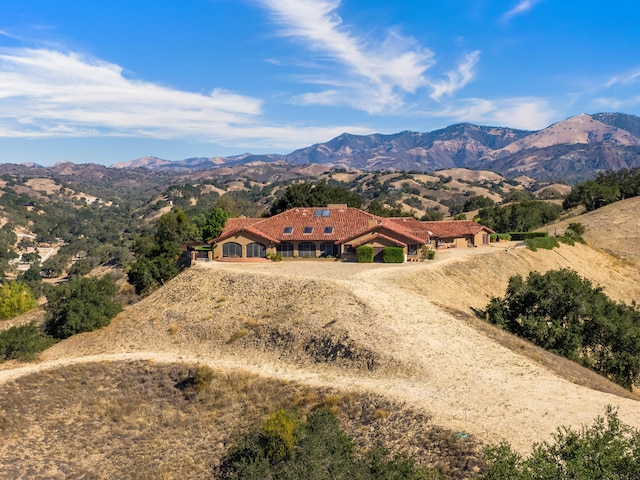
465	380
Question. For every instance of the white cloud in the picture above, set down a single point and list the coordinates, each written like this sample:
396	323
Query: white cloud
384	71
456	79
522	7
527	113
624	80
46	93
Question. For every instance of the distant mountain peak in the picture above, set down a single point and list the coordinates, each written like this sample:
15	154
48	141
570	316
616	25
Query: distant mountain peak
574	148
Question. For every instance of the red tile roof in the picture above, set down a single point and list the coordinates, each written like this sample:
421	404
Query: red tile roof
454	228
346	223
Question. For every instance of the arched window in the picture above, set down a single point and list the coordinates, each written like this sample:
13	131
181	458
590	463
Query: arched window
307	249
256	250
328	249
232	250
285	249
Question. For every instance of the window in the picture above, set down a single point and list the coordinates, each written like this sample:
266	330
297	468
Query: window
307	249
308	230
232	250
412	249
328	250
328	230
349	250
322	212
288	230
256	250
285	249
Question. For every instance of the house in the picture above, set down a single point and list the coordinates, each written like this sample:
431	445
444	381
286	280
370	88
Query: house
332	231
458	233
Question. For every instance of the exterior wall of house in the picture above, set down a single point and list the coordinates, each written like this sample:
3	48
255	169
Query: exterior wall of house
243	241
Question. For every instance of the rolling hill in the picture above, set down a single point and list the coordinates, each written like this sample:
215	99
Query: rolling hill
394	339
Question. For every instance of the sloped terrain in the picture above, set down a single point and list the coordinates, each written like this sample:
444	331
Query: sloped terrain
404	334
614	228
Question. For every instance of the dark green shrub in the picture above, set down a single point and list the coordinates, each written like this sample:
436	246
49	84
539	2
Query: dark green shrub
566	239
393	255
564	313
546	243
575	228
607	449
80	305
287	448
23	342
431	254
365	254
519	236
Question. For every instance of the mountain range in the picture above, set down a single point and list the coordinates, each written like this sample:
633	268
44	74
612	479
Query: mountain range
571	150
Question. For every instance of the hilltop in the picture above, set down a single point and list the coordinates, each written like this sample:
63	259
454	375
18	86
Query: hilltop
402	336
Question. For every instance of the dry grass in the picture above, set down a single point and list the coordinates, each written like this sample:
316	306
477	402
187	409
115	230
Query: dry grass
144	420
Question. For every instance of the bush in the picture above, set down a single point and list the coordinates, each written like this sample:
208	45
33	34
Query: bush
546	243
574	229
519	236
287	447
15	298
500	237
607	449
431	254
23	342
365	254
566	239
80	305
564	313
393	255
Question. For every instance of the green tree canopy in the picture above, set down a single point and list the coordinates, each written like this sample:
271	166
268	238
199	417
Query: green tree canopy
80	305
309	194
564	313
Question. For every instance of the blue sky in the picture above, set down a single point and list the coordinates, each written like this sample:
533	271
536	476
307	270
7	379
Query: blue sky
110	81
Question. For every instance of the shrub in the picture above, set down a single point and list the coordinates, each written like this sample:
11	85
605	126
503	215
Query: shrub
80	305
566	239
393	255
274	257
519	236
546	243
365	254
500	237
15	298
22	342
575	228
607	449
288	448
564	313
431	254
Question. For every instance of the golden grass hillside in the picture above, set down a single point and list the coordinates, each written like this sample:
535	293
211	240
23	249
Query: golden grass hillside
614	228
403	338
143	420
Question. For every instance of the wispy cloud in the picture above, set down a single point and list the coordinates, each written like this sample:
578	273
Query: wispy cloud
624	80
383	71
46	93
522	7
456	79
527	113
